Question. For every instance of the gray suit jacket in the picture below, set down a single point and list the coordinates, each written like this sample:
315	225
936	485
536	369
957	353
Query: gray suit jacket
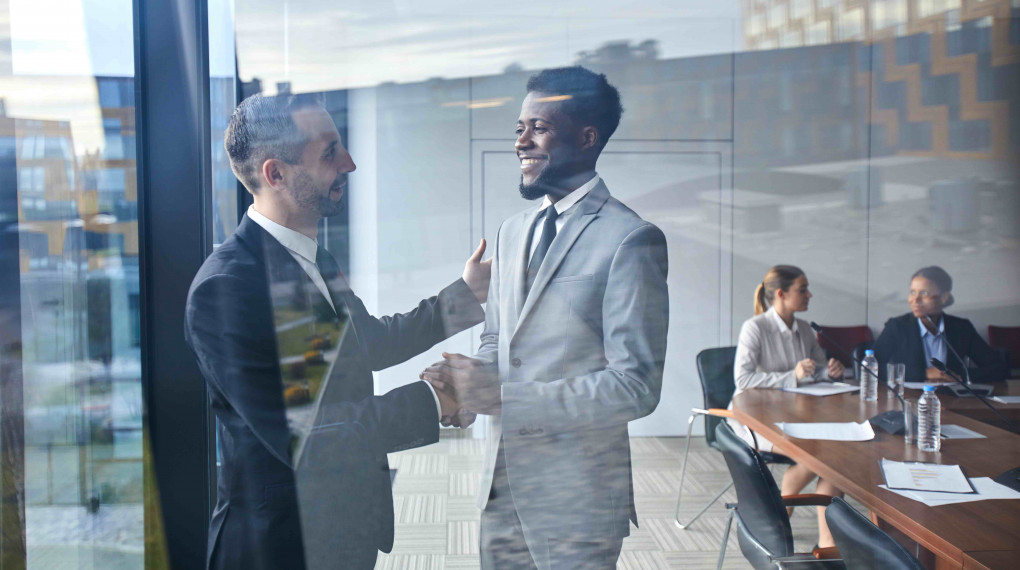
578	358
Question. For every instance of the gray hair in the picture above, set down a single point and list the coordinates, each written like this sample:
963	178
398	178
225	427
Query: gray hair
262	127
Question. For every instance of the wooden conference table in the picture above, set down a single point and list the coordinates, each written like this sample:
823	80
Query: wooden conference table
981	534
973	408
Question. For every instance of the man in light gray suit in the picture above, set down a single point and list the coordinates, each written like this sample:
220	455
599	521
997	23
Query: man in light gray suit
573	345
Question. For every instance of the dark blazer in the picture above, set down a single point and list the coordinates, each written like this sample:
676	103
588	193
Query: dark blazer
270	513
900	341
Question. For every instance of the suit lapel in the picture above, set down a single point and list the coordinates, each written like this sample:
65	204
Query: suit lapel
275	435
301	393
954	337
586	212
519	271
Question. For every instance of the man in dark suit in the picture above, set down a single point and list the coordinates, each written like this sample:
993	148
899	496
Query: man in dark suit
927	332
287	351
901	341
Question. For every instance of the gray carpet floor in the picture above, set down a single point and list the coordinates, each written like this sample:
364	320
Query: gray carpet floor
437	521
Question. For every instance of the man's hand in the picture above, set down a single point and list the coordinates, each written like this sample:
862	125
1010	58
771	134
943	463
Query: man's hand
452	414
804	368
474	382
477	273
835	369
447	402
935	374
461	419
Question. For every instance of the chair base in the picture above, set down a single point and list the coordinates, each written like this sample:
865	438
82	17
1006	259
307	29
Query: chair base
685	525
683	473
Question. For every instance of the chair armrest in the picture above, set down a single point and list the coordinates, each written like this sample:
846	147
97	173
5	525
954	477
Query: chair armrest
808	500
826	553
718	412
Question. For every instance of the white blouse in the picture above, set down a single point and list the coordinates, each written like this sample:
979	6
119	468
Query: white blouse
768	352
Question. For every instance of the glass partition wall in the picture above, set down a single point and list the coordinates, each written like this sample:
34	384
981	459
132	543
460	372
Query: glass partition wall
857	140
73	442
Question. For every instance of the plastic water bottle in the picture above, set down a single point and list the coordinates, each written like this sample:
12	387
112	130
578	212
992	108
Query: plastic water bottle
929	421
869	377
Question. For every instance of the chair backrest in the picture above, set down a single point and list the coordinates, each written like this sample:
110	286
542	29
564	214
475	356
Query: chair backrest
862	544
1008	339
847	337
715	369
758	500
858	352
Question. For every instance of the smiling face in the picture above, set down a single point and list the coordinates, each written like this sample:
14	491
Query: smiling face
925	297
549	145
318	182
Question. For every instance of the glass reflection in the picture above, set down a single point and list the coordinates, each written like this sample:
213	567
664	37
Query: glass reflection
72	418
858	141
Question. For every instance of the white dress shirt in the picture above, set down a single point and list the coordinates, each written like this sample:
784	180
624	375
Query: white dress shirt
767	354
561	206
303	248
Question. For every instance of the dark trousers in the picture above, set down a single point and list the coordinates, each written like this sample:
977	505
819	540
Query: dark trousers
504	546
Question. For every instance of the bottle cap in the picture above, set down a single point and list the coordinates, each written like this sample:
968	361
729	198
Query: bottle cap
929	388
869	352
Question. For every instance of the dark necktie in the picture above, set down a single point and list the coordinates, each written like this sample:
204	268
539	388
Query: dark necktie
329	269
548	234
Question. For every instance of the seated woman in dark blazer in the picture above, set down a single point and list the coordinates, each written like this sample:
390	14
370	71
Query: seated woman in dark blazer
923	333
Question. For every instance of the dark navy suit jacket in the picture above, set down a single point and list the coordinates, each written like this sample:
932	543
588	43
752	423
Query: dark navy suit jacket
270	513
900	341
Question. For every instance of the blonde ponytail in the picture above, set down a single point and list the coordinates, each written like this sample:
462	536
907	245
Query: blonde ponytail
761	304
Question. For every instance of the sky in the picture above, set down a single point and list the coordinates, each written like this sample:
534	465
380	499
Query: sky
322	44
54	48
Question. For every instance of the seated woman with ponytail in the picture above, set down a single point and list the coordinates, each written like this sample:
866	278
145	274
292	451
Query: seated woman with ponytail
776	350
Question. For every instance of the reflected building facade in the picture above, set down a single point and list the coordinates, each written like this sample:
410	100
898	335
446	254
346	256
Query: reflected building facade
77	214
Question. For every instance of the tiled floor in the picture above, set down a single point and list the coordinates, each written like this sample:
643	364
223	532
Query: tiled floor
437	521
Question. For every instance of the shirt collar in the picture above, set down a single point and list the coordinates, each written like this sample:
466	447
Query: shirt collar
574	197
925	331
780	323
294	241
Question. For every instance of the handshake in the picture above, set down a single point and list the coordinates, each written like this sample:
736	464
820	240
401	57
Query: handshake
466	387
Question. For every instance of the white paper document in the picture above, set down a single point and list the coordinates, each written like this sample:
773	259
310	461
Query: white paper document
847	431
985	489
953	431
925	477
1007	399
823	389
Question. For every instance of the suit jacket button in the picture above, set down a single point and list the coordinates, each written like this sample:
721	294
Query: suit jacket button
516	363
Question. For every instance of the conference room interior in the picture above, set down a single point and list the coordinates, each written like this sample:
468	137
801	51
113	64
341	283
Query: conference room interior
859	140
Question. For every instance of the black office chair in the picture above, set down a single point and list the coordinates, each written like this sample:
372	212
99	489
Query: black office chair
715	370
862	544
763	527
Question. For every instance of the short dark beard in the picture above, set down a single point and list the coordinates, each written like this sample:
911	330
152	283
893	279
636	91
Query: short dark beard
308	196
543	185
532	191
